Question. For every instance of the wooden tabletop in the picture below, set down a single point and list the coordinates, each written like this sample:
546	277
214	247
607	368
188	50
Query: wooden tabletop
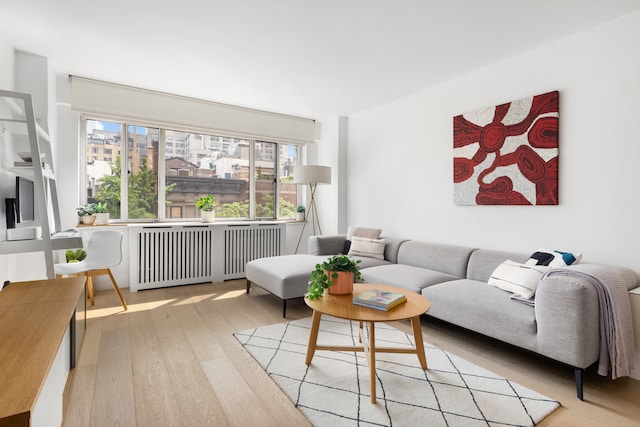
33	319
343	307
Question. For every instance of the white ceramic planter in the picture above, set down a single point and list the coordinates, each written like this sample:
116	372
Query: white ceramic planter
88	219
208	216
102	218
299	216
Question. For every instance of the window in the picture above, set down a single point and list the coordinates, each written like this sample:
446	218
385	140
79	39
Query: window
142	170
248	178
103	176
288	191
265	169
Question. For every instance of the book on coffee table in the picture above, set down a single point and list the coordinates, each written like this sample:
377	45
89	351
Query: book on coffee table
379	300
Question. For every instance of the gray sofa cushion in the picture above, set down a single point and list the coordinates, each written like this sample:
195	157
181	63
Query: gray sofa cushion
482	308
448	259
392	247
326	245
405	276
366	262
482	262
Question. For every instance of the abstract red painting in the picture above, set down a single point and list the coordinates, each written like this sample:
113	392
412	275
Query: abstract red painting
508	154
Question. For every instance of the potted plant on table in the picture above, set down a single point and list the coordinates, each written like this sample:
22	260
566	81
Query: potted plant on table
101	212
300	210
206	205
336	274
86	213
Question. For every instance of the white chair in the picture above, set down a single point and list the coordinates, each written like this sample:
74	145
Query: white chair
103	252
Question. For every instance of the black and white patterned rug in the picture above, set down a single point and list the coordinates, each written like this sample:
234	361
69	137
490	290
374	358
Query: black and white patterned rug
334	389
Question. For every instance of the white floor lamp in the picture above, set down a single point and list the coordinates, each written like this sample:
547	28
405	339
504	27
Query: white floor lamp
312	175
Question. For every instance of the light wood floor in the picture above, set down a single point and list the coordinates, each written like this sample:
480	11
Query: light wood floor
172	360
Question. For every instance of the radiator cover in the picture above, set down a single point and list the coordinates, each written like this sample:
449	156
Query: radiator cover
171	255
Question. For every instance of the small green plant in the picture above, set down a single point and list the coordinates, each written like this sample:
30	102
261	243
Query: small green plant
300	209
321	277
75	256
88	209
206	203
100	208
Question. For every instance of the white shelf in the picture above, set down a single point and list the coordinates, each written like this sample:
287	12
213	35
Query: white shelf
35	245
27	172
17	118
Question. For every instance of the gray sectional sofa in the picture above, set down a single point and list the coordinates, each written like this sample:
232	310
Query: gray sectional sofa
563	325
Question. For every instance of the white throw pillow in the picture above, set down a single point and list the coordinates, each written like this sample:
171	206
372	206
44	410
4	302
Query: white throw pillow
372	248
521	279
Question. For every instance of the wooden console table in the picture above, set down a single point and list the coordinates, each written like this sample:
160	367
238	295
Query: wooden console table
34	318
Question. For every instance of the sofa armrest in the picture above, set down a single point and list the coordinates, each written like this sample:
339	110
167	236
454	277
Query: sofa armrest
567	317
326	245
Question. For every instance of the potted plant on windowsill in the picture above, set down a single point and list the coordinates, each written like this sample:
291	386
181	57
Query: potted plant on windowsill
86	213
336	274
206	205
102	215
300	210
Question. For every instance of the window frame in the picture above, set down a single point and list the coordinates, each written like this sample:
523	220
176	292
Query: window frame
162	214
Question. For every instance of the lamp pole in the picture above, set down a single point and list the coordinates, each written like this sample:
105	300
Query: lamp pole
311	210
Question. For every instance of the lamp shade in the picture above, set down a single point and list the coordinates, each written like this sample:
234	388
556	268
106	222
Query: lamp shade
312	174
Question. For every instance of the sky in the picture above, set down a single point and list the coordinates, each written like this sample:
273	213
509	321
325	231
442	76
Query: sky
110	126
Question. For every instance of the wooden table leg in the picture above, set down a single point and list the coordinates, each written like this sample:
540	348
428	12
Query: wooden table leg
372	360
417	336
313	336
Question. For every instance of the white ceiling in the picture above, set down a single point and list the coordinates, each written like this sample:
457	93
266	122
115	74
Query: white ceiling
306	57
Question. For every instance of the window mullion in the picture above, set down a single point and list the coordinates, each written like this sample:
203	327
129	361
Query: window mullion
276	181
162	181
83	160
252	179
124	173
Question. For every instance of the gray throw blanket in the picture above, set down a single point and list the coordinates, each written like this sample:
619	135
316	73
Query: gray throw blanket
616	327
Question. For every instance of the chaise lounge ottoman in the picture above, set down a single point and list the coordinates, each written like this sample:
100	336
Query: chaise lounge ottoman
284	276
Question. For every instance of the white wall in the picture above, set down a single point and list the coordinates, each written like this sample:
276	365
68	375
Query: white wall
32	76
6	59
328	151
400	154
67	156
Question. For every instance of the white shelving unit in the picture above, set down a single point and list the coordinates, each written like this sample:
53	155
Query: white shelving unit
19	127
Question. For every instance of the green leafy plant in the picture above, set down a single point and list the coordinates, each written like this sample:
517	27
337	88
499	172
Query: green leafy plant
88	209
75	256
321	277
206	203
100	208
300	209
